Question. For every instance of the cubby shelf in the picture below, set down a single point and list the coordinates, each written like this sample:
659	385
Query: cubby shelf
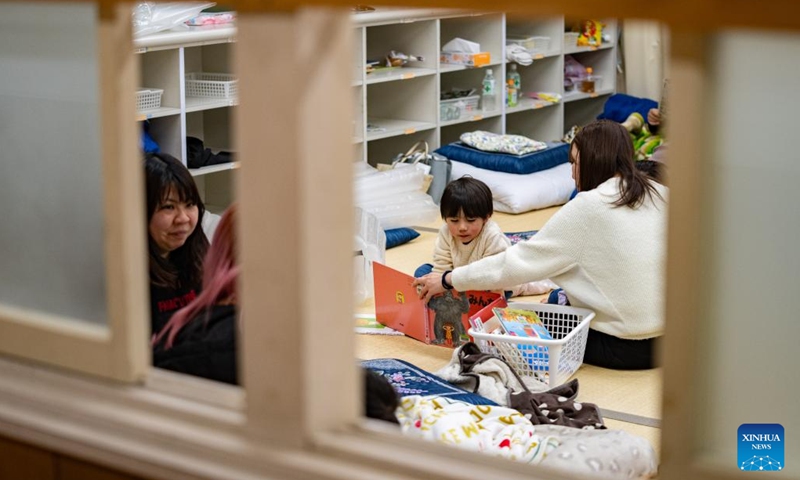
164	60
416	33
404	102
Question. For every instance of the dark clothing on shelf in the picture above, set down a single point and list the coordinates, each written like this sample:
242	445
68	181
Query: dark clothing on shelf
197	155
205	347
165	301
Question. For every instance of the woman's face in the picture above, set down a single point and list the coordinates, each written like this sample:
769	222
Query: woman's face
172	223
574	159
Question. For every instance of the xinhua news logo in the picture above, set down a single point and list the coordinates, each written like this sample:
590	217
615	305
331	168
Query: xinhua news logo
761	447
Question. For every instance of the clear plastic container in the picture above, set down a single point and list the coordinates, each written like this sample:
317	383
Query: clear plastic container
533	44
590	82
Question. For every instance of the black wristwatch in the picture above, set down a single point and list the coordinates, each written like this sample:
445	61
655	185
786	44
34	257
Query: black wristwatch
446	285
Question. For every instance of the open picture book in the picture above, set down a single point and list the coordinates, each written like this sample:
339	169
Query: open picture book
443	321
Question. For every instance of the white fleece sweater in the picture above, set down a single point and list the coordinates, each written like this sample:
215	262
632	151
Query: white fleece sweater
607	259
450	253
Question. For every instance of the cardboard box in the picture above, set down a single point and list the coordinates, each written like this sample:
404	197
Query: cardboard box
444	322
466	59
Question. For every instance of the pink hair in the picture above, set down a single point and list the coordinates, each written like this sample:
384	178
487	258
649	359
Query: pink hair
220	271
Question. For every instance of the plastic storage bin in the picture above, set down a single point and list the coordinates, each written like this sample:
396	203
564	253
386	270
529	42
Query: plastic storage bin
220	85
571	39
556	359
531	44
456	108
148	99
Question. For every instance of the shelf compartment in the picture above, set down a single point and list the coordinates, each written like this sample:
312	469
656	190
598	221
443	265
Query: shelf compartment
583	112
472	117
196	104
405	73
576	96
486	30
551	27
157	113
160	70
448	68
416	38
573	50
385	150
528	103
402	108
196	172
396	127
452	132
543	124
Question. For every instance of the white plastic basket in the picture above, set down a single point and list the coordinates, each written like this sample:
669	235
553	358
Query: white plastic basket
559	358
456	108
219	85
148	99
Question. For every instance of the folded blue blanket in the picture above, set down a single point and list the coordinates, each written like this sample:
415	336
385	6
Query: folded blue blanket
555	154
410	380
619	106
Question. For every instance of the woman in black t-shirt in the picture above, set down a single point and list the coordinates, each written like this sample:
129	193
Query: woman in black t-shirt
200	339
176	245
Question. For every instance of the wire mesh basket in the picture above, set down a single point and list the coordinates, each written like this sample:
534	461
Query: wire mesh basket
557	359
217	85
148	99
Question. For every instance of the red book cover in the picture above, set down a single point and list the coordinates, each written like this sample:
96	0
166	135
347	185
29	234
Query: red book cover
444	321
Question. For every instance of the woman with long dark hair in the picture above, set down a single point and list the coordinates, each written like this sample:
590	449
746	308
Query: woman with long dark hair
606	248
176	243
200	338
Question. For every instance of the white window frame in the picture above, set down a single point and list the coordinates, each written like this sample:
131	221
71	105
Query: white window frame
117	350
300	418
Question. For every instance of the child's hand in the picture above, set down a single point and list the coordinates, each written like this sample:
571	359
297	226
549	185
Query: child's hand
654	116
429	285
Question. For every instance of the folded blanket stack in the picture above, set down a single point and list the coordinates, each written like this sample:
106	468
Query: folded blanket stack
522	173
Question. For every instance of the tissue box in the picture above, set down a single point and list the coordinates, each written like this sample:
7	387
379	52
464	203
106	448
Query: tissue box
467	59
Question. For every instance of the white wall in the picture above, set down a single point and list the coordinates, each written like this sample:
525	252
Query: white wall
645	50
751	328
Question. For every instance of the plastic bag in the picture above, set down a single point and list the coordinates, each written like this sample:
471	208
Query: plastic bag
394	196
370	246
573	69
151	17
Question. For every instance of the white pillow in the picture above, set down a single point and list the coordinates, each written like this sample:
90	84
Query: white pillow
514	193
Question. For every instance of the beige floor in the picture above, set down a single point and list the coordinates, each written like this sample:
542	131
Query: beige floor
635	393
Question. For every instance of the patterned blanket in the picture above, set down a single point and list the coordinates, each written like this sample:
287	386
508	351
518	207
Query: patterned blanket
410	380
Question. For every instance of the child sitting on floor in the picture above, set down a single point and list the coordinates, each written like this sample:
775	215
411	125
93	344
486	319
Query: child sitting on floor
469	234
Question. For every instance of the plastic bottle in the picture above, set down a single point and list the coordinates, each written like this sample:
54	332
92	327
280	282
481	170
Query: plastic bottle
489	93
587	84
511	98
513	74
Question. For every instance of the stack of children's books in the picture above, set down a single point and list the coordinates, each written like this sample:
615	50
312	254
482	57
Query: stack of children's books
521	323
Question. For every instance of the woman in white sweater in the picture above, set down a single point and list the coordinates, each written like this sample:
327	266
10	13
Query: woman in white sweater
605	248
